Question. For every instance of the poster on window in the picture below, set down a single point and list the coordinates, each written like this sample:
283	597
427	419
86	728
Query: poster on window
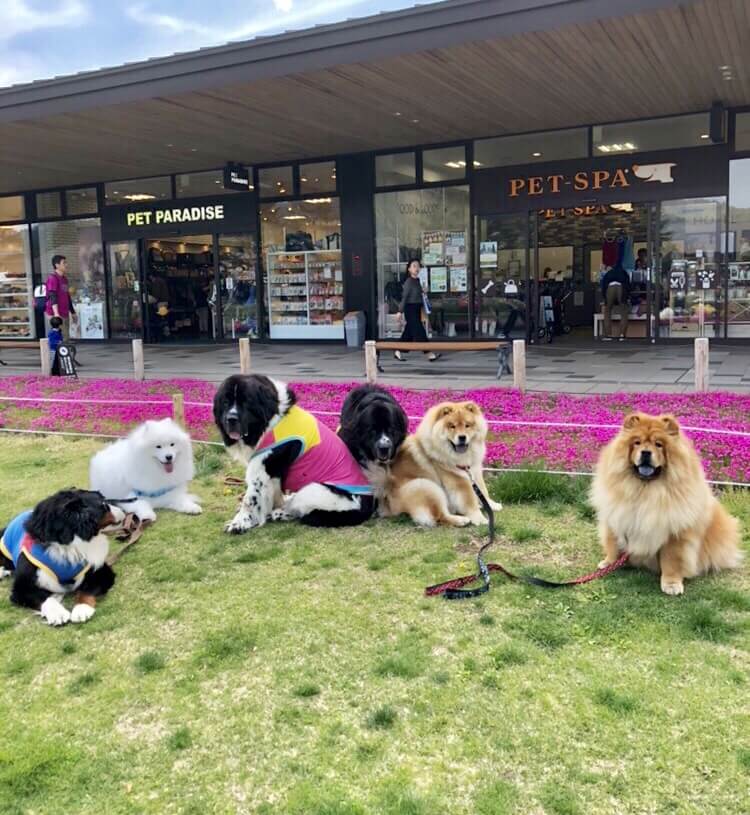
458	278
488	253
90	321
438	279
455	248
433	248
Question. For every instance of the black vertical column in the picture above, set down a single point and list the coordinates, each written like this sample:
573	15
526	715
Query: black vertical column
356	177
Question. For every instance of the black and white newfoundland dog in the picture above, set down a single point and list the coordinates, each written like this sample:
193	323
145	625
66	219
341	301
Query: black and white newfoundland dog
373	427
297	468
60	548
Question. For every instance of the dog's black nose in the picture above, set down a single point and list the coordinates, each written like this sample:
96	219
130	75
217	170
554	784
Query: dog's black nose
462	440
646	457
169	457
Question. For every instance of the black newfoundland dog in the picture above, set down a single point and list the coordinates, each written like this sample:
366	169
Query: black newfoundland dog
297	468
373	427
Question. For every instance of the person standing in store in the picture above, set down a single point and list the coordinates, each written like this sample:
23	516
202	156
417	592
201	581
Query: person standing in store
616	292
410	308
59	303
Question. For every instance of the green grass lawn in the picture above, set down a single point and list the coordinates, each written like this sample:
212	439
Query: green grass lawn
303	672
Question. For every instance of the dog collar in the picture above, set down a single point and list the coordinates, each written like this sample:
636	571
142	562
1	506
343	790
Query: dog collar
155	494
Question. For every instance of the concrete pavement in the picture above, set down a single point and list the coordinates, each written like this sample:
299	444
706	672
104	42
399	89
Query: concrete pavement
559	367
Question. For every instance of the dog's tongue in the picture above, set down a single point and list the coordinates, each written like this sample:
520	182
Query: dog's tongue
235	435
646	470
169	466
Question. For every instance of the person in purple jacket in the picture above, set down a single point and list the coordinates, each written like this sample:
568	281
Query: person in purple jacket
59	303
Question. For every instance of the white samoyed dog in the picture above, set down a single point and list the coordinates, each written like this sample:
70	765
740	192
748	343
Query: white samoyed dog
154	465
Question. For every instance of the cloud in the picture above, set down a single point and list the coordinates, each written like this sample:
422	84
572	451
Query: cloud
20	18
283	5
141	13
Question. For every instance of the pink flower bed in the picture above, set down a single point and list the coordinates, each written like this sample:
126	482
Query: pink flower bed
726	457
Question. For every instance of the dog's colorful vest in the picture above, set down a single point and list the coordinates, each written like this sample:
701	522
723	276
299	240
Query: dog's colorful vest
16	541
323	459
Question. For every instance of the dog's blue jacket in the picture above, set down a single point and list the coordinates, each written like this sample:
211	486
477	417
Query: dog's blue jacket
16	541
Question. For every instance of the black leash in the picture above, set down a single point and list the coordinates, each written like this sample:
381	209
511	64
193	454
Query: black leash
453	589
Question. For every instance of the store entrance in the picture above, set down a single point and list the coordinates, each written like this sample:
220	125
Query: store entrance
575	247
539	274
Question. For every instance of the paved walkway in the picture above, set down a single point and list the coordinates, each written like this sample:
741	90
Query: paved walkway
560	367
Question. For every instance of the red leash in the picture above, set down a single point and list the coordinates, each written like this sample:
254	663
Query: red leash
460	582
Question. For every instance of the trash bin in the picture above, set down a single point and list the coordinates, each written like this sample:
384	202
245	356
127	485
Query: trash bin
354	328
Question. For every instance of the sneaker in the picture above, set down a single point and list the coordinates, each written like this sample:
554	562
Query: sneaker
606	339
622	339
399	356
433	357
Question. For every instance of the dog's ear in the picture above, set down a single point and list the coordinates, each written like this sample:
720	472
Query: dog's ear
445	410
472	407
671	425
631	420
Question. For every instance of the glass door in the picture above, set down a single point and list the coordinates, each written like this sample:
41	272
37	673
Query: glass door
125	318
238	284
501	280
16	304
692	284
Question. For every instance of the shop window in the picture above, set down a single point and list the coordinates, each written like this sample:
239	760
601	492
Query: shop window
194	185
652	134
739	249
81	202
395	169
430	225
692	233
444	164
12	208
318	177
16	303
48	205
80	241
742	131
302	257
275	181
138	189
531	148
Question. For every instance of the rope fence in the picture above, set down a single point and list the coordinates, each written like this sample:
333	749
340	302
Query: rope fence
178	404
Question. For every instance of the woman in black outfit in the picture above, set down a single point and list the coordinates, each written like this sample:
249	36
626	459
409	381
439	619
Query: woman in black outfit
410	309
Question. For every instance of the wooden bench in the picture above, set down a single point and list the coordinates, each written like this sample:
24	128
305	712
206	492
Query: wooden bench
43	348
504	350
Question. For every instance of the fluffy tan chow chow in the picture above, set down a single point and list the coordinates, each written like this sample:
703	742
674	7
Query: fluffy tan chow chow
653	501
428	479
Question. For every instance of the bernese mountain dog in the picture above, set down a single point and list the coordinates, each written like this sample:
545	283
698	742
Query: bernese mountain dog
297	468
60	548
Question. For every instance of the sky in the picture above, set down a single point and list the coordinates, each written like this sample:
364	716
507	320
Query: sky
40	39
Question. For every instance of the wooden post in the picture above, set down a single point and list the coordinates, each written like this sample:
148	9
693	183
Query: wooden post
178	409
701	364
244	355
371	362
519	365
44	357
138	370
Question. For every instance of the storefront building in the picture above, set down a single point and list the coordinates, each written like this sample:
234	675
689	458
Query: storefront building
514	233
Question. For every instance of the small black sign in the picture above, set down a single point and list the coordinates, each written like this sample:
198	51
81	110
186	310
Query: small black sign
237	177
64	363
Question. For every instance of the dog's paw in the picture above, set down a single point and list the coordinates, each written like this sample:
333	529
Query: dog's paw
191	509
54	612
673	586
602	564
477	519
5	572
496	506
239	524
280	515
81	612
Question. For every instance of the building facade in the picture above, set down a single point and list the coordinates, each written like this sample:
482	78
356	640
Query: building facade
514	233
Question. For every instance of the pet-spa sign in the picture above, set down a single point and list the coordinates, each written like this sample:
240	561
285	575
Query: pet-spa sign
686	173
183	216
